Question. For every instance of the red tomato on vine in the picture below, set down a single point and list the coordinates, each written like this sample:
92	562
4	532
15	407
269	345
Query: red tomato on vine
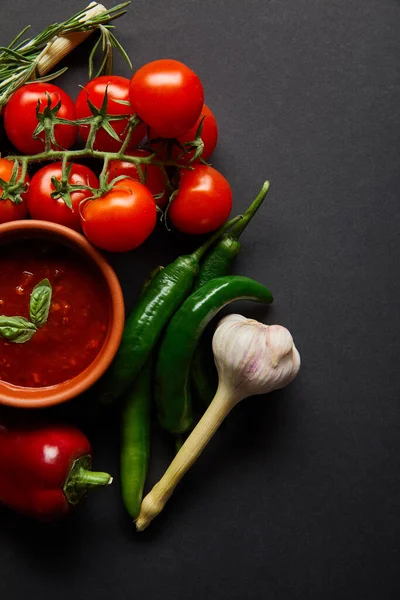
9	210
154	178
122	218
203	202
167	96
44	206
20	120
209	136
117	91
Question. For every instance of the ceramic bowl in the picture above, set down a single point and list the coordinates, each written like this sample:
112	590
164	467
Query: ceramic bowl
28	397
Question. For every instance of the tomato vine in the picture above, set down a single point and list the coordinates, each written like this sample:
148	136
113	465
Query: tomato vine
100	119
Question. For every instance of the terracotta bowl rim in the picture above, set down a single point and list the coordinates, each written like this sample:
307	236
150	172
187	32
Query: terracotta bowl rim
21	397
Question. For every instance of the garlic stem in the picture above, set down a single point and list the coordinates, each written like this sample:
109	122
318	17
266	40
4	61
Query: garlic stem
60	46
156	499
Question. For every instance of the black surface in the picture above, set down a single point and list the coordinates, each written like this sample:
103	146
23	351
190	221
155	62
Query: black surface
297	497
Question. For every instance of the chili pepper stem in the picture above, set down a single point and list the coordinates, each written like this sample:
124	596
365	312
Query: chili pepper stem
239	227
199	253
194	445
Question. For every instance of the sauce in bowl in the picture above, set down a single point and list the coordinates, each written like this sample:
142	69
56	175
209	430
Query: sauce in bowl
78	320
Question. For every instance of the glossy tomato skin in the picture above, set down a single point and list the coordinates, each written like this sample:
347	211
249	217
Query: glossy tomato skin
209	136
118	89
168	96
45	208
155	181
203	202
8	210
20	119
121	219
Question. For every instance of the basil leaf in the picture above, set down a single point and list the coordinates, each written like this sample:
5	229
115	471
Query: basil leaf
16	329
40	303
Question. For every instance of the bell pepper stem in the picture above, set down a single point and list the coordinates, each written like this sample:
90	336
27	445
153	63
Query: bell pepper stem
194	445
90	479
239	227
81	479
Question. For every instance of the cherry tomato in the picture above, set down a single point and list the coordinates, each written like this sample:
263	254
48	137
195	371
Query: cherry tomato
122	218
154	178
203	202
20	119
45	208
117	89
9	211
209	135
168	96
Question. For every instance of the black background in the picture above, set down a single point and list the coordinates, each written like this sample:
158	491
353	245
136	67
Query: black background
297	497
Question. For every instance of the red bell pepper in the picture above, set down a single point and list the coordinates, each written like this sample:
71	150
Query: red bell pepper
45	470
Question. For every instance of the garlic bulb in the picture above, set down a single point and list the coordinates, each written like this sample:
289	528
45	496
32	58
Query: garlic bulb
251	358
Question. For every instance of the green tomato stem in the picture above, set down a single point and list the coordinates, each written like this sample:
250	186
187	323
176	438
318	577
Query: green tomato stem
71	155
87	153
24	169
64	167
94	126
131	127
103	174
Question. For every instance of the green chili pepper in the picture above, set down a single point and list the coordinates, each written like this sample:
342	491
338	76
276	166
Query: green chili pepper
135	431
180	341
203	373
219	259
217	263
135	440
155	306
150	278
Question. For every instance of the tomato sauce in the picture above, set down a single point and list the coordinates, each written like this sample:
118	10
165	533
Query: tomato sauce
78	319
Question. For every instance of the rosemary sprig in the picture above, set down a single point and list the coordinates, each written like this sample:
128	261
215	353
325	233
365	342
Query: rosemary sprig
23	61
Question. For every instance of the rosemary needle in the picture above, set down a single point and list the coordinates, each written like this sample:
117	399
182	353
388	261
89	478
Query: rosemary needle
22	61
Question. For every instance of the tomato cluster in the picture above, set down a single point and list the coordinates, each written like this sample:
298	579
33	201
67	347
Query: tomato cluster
158	117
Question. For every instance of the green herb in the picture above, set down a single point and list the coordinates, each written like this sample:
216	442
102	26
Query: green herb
16	329
20	330
40	303
27	60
